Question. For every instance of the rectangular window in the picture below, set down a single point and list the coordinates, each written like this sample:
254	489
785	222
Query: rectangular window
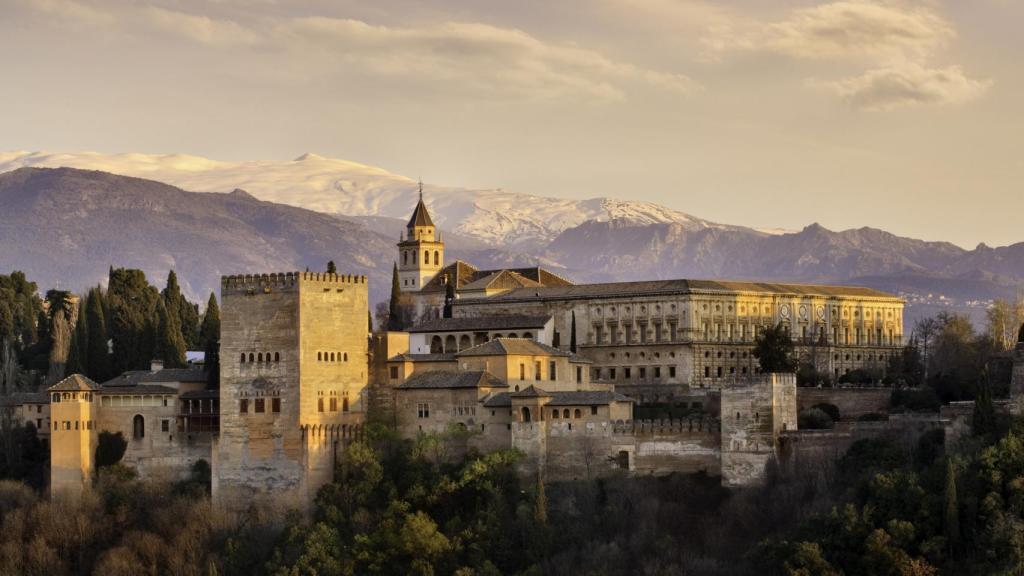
536	367
165	425
334	404
643	333
319	404
579	374
657	332
394	372
260	406
522	371
551	371
593	410
671	371
611	373
243	406
423	410
657	371
673	331
627	373
275	405
643	372
344	402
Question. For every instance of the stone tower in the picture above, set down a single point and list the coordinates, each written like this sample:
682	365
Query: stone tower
754	411
73	437
421	251
292	383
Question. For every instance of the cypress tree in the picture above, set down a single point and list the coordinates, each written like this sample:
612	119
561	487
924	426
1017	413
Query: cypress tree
78	355
168	343
97	352
951	512
133	323
983	422
331	268
572	334
209	336
185	311
395	306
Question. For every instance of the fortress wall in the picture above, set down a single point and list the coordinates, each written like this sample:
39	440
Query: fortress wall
852	402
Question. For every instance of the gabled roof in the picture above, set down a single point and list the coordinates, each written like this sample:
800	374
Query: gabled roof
501	279
420	216
75	383
462	274
530	392
512	346
447	379
481	323
408	357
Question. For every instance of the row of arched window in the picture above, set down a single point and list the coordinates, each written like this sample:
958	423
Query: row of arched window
58	396
67	424
426	257
332	356
261	357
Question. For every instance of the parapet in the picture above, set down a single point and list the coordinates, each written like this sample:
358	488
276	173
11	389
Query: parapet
280	281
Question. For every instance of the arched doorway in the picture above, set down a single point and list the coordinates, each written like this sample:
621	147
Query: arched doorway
526	414
449	344
436	347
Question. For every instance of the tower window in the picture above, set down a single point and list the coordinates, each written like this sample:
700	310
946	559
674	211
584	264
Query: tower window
243	406
260	405
275	405
437	257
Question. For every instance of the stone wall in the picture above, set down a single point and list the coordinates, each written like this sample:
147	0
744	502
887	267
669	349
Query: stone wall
852	402
754	411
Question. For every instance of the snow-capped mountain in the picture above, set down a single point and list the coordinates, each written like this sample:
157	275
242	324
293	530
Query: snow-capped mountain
495	217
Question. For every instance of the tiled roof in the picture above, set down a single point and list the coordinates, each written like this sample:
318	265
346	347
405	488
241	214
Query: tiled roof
420	216
444	379
153	389
531	392
136	377
578	398
516	346
20	398
670	287
407	357
502	279
480	323
75	383
463	274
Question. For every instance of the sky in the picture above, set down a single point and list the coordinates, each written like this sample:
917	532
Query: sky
900	115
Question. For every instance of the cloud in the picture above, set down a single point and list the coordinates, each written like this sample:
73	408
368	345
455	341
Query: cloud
907	85
201	29
476	57
842	30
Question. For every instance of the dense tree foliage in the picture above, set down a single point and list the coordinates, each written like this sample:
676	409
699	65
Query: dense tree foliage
209	339
774	350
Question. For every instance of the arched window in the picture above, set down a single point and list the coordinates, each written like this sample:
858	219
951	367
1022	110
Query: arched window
277	356
259	357
56	397
344	403
319	356
426	257
251	356
138	427
554	414
566	412
577	413
528	335
464	342
345	356
436	347
332	356
512	335
437	257
526	414
449	344
405	257
243	357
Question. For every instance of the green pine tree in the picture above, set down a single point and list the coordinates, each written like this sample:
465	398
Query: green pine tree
97	352
133	322
186	312
774	350
169	346
78	355
951	511
983	422
331	268
395	305
209	335
572	334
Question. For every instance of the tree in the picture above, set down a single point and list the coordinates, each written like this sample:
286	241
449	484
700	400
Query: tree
209	338
951	511
185	311
110	448
97	351
394	307
449	298
1020	335
331	268
62	312
983	422
132	310
925	331
572	334
169	345
774	350
78	355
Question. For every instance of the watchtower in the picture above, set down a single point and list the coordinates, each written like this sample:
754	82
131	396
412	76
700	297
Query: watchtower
420	251
73	437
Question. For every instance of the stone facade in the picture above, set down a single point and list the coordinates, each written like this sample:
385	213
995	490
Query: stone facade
293	382
852	402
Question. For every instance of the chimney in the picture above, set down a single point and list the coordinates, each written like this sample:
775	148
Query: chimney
156	365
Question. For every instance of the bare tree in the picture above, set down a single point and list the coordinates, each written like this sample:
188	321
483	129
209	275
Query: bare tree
11	382
925	330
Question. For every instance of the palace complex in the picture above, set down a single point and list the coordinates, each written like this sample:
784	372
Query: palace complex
512	358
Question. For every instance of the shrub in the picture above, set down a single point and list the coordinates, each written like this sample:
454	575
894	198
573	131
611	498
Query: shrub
110	449
870	455
814	419
831	409
916	400
858	376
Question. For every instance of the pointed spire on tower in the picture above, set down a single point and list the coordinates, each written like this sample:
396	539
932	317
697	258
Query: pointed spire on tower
421	189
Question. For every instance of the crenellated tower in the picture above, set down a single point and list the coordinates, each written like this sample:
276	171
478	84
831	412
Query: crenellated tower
420	251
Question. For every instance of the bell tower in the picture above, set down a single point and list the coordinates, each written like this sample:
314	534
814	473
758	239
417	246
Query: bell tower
420	249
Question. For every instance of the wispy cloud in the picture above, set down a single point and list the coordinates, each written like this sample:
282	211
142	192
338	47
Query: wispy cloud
907	85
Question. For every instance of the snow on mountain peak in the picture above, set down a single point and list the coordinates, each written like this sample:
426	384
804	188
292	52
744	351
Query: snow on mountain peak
342	187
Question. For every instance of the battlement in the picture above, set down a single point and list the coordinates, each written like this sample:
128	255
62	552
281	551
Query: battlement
265	283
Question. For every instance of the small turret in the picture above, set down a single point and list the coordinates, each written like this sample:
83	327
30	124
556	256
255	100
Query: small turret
421	252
